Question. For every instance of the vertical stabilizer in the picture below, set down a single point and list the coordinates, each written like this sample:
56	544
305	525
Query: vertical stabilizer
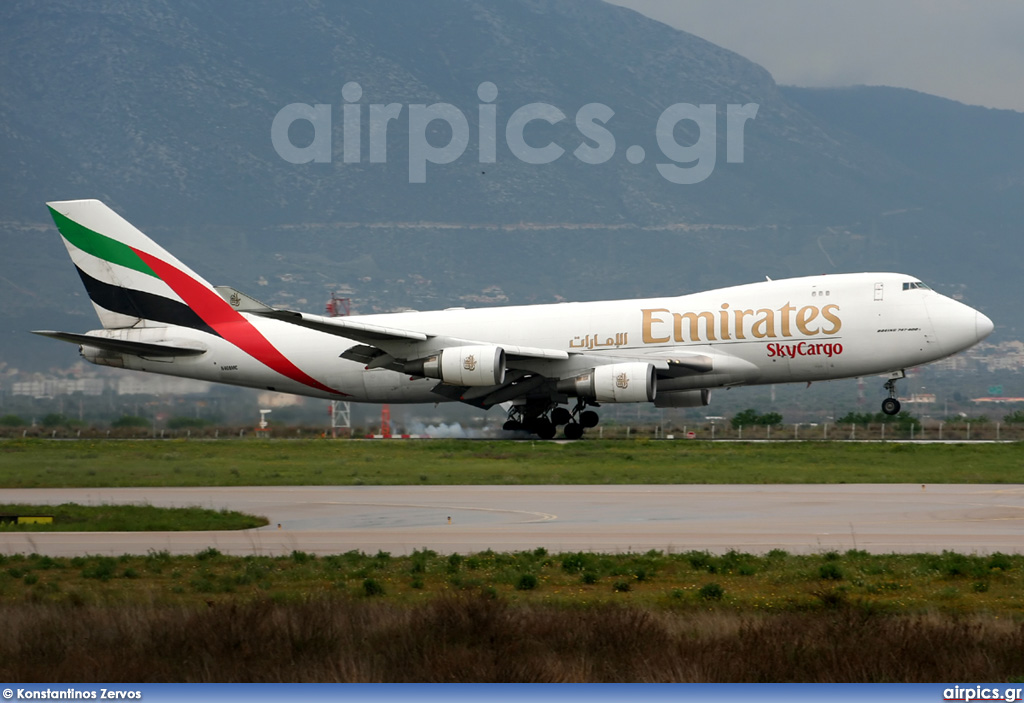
125	272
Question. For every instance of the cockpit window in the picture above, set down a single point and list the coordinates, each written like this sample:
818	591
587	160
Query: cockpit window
915	285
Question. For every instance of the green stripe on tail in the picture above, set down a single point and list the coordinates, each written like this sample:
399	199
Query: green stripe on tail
99	245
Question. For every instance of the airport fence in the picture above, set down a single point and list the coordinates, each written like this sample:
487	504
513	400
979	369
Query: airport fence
873	432
928	431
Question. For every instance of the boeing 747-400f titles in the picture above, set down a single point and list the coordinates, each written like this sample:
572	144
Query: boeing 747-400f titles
548	363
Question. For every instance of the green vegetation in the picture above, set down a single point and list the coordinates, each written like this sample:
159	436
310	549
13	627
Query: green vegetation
526	582
71	517
751	418
903	420
1016	417
130	421
524	616
950	583
12	421
41	463
709	591
56	420
188	423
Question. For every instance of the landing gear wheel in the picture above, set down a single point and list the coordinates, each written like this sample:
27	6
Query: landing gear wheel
573	430
513	426
588	418
891	405
561	416
544	428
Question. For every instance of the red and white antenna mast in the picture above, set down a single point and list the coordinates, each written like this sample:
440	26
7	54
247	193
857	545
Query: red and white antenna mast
340	410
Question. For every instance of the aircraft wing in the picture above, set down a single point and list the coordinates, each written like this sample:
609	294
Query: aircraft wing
391	340
344	327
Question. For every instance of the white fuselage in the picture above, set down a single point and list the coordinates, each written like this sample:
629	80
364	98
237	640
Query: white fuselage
793	330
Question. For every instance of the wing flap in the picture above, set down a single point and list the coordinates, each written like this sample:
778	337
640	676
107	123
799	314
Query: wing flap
362	353
534	352
676	362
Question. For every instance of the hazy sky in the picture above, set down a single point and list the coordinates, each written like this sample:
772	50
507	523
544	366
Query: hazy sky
967	50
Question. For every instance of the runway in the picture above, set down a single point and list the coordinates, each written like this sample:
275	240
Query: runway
879	518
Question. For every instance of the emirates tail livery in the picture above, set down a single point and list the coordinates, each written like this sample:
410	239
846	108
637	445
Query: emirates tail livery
548	363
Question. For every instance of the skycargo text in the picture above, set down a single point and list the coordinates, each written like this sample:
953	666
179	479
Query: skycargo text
792	351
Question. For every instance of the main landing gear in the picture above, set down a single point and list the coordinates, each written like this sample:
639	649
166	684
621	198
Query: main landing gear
891	405
576	421
545	424
520	419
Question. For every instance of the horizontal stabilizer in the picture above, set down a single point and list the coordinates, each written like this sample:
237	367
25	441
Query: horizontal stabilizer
123	346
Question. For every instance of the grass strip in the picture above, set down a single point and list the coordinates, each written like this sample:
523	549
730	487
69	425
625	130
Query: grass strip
94	463
72	517
695	580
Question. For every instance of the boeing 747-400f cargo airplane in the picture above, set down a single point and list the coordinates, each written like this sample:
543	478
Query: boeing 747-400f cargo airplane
548	363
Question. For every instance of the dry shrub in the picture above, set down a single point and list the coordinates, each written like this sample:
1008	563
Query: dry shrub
480	638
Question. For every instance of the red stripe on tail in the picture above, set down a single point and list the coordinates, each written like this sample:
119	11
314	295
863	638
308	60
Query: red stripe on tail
228	322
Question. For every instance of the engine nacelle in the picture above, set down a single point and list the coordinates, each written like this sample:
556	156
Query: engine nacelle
683	399
463	366
631	382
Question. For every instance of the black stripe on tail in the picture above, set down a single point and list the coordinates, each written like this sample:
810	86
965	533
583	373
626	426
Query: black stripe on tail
136	303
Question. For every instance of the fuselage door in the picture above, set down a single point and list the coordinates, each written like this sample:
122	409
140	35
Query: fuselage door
878	290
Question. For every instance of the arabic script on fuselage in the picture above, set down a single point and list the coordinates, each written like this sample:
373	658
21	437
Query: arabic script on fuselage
593	341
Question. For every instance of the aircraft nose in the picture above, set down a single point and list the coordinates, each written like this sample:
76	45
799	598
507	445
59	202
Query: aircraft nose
957	326
983	326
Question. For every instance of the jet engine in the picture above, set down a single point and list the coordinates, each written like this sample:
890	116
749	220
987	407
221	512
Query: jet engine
463	366
683	399
630	382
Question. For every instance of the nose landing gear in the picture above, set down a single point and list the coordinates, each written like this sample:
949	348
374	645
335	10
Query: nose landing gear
891	405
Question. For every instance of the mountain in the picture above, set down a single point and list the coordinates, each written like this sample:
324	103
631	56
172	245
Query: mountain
165	109
968	163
